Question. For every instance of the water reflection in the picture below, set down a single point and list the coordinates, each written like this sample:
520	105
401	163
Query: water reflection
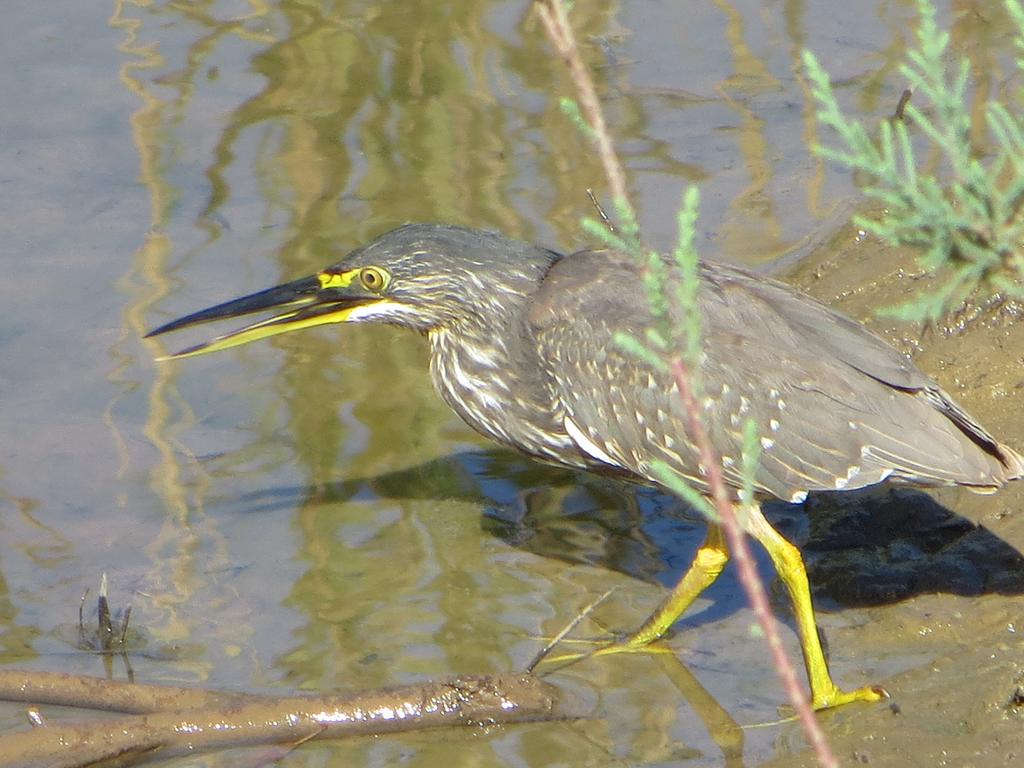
307	513
417	556
570	516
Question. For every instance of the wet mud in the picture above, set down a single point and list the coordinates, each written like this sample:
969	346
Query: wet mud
941	573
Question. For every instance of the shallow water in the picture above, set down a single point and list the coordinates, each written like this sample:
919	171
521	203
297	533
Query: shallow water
305	513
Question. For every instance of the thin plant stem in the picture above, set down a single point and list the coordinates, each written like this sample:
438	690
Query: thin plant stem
553	16
543	652
747	569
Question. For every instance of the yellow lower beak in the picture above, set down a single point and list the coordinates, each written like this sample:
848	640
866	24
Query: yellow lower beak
308	304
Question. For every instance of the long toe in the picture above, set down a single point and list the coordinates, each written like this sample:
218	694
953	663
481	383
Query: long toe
837	697
604	647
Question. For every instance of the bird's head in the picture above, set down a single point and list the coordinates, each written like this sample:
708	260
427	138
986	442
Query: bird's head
421	276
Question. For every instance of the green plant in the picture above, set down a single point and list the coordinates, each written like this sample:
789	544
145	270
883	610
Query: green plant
969	228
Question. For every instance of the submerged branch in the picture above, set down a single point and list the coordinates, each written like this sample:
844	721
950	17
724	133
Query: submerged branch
183	720
84	692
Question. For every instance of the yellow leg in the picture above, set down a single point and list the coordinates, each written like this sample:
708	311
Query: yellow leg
707	564
790	567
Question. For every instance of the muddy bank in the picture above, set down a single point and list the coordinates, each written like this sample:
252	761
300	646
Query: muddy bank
942	573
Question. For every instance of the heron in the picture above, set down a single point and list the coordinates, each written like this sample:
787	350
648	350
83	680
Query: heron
522	347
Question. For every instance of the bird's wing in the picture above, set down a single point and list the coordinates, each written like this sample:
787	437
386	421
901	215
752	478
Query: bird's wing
835	406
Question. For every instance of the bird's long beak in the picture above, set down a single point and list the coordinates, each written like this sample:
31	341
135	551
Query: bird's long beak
328	297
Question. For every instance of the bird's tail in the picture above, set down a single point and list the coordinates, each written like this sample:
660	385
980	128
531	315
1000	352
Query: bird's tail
1006	464
1012	461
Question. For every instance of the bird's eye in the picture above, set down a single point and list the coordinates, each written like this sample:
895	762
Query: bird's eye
373	279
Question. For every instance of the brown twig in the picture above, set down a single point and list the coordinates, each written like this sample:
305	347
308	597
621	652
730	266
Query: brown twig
749	579
552	14
600	211
901	105
203	720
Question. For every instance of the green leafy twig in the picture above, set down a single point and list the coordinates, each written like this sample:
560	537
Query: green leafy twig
969	228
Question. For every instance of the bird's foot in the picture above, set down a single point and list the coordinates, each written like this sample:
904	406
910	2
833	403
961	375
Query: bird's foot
835	697
634	643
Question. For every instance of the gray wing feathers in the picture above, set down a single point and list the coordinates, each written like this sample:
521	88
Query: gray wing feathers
836	407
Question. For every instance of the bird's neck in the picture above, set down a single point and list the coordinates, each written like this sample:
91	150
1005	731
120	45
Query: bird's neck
488	373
